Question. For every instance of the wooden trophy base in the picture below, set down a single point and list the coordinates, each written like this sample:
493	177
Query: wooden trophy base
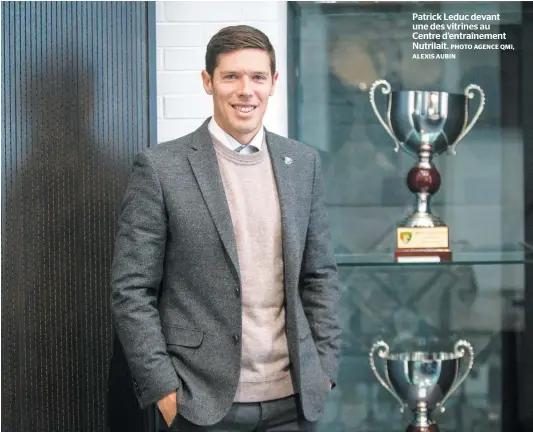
432	428
422	245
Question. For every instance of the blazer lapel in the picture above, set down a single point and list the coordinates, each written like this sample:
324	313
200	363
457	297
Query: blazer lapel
203	160
282	162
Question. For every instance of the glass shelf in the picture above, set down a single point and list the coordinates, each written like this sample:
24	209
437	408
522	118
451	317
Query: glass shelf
481	257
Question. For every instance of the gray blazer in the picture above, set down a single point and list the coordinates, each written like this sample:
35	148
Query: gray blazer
175	278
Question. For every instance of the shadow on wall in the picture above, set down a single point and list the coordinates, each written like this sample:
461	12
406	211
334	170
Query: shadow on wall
66	165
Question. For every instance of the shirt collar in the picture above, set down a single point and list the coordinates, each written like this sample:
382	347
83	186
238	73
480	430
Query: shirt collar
230	142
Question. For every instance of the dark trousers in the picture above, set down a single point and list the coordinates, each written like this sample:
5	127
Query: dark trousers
280	415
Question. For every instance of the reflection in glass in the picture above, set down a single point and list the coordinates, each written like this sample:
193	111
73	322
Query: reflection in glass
342	49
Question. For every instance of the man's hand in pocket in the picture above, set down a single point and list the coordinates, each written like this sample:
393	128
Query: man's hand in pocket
168	407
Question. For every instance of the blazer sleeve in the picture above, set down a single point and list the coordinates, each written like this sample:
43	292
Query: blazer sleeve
319	285
136	276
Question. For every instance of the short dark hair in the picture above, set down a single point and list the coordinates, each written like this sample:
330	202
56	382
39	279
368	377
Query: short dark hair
234	38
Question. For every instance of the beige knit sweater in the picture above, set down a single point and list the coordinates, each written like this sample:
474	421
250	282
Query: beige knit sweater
252	197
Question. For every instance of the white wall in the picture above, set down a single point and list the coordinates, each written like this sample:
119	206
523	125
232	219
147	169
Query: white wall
183	31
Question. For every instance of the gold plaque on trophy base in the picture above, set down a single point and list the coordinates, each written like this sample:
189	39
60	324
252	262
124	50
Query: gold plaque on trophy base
422	244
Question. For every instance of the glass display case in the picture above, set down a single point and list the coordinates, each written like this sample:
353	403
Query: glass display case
337	50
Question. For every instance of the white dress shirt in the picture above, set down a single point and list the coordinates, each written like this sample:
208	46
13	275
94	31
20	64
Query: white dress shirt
220	135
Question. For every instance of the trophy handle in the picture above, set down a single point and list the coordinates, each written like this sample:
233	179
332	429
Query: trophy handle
459	349
470	95
385	90
384	351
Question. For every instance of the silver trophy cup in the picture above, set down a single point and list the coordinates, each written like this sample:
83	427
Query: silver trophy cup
425	124
422	381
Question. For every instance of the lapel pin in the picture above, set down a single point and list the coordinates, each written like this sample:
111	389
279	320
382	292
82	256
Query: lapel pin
288	160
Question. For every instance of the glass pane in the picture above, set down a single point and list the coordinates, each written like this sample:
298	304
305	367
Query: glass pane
343	48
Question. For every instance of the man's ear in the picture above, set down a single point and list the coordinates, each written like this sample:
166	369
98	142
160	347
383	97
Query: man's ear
274	81
207	82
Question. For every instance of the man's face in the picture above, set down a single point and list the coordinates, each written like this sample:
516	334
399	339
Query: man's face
241	86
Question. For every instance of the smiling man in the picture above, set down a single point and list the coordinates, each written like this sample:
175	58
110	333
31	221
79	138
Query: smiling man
224	284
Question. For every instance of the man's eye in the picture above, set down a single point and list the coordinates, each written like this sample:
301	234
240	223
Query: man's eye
230	76
260	77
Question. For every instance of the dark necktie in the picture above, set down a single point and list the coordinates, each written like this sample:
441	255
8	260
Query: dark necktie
247	149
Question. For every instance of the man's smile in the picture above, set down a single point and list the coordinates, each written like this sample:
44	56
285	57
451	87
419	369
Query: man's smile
244	108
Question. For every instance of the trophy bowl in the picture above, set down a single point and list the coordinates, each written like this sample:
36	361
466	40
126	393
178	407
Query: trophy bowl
427	117
422	381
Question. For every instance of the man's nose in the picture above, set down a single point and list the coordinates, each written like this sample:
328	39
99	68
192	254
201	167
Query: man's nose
245	87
